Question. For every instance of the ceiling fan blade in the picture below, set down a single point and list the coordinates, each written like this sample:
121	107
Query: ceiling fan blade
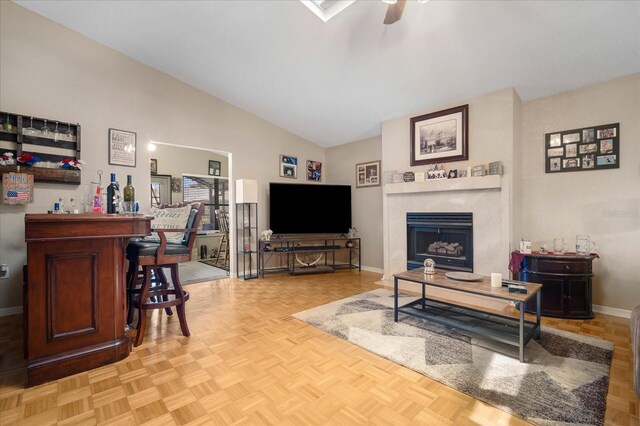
394	12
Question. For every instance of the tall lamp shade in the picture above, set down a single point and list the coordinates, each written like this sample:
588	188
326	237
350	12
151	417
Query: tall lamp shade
246	191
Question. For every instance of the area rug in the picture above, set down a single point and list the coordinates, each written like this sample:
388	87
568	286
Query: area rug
214	263
564	379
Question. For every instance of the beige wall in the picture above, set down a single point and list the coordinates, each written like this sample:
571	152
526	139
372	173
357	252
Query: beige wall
366	203
604	204
49	71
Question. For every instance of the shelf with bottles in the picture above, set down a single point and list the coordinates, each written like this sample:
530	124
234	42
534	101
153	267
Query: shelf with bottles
50	140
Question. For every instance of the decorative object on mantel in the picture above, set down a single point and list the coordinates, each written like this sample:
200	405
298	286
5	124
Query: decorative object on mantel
440	136
565	380
408	177
398	178
368	174
437	173
122	148
453	173
478	170
584	149
419	176
462	173
496	168
17	188
387	177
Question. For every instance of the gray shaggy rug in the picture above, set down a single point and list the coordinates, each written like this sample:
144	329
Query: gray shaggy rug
563	381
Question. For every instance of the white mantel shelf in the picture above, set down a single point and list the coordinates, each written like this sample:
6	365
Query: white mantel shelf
443	185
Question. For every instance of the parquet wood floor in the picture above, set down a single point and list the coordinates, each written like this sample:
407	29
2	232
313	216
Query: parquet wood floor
249	362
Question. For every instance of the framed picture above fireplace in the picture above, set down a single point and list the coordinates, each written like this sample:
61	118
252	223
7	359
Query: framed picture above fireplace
440	137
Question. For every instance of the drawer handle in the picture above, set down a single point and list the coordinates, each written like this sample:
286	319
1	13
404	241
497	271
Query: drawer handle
566	267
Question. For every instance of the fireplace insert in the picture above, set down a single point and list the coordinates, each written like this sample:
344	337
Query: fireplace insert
447	238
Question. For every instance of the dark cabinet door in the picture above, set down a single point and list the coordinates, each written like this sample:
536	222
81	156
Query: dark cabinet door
579	297
552	294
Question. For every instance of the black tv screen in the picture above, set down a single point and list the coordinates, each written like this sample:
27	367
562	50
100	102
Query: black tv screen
309	209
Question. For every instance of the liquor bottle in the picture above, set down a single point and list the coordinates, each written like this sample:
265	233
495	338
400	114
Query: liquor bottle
112	190
97	203
129	197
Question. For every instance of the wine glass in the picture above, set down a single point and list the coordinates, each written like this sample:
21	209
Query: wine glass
30	128
69	132
45	129
56	132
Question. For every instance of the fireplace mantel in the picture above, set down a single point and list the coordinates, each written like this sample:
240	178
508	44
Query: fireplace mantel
441	185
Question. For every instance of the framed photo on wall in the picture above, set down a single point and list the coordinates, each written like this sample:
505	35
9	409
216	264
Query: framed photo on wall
314	171
441	136
214	168
288	166
122	148
153	166
368	174
585	149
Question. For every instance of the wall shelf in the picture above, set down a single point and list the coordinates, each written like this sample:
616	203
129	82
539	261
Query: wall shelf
25	138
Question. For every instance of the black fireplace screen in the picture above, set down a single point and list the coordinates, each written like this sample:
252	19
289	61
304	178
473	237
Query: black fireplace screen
447	238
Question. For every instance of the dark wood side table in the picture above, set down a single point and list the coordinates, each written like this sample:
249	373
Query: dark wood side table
75	291
566	282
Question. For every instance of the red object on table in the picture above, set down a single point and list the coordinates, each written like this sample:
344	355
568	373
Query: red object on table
517	258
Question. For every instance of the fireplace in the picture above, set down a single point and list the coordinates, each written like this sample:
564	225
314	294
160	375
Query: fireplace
447	238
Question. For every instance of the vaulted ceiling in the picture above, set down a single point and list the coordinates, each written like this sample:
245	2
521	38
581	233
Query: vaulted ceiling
335	82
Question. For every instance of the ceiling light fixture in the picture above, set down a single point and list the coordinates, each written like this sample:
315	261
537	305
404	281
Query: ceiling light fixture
327	9
151	146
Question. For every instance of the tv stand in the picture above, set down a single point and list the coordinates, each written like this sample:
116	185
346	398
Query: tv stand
333	253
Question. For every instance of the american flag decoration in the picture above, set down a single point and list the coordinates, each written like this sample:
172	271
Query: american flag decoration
17	188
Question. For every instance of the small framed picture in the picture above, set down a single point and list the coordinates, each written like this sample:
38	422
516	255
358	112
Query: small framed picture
368	174
214	168
555	140
453	174
288	166
314	171
122	148
153	166
555	164
571	138
588	135
462	173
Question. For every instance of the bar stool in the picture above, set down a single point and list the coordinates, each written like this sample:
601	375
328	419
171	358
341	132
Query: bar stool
147	258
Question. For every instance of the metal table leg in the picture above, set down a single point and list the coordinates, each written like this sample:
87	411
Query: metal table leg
395	299
423	296
521	342
538	301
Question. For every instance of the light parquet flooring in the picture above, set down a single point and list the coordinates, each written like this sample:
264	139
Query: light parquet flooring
249	362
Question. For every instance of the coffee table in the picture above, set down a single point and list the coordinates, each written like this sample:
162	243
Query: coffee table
502	328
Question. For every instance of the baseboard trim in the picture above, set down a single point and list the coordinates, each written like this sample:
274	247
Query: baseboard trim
372	269
13	310
622	313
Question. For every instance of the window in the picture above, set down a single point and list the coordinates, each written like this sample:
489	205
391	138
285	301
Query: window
214	192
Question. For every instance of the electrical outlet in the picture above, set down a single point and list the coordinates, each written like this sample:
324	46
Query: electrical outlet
4	271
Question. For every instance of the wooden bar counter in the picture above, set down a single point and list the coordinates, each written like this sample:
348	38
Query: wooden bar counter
74	302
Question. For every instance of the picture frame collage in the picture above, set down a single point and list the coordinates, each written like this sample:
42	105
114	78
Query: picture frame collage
584	149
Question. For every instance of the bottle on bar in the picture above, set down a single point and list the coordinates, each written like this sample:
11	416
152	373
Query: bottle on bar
112	190
97	203
129	197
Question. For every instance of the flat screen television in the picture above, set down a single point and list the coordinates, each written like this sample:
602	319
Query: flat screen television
309	209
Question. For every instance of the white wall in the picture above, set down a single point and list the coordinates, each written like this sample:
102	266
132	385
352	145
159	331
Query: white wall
366	203
604	204
47	70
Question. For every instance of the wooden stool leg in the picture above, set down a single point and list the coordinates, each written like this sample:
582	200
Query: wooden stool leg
179	294
163	279
142	314
132	274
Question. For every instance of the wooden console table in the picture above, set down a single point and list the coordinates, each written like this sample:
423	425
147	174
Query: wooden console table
74	304
565	278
